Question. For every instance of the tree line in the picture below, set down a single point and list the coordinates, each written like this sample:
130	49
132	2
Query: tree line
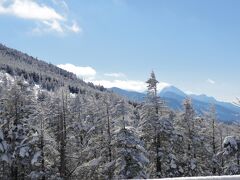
63	135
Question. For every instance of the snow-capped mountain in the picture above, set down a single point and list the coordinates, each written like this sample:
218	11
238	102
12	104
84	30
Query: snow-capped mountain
174	97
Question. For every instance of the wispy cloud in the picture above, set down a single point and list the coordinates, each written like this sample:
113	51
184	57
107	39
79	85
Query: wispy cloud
189	92
89	75
162	85
211	81
139	86
82	72
115	75
74	27
123	84
46	17
61	3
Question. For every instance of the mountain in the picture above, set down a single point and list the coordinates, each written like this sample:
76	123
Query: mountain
171	90
55	126
212	100
174	98
52	124
132	95
35	71
50	77
204	98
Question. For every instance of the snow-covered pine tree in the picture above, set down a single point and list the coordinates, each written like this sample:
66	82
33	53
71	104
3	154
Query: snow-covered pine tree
23	154
43	122
97	152
108	151
213	137
131	157
189	126
230	153
210	133
157	132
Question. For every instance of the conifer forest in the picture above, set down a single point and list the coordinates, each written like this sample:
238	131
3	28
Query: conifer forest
54	125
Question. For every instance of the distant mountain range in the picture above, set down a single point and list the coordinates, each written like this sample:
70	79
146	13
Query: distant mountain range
50	77
174	97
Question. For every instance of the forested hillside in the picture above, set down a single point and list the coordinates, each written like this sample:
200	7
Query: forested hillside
55	126
35	71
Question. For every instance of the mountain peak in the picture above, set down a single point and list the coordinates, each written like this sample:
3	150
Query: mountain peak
172	89
204	98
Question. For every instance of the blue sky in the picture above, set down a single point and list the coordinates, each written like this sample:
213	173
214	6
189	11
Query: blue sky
192	44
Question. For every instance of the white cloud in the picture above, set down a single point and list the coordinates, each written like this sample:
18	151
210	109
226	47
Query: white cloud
75	28
123	84
115	75
54	25
62	3
87	73
48	17
131	85
29	9
189	92
211	81
162	85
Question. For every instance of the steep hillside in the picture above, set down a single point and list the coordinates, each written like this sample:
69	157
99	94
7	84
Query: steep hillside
35	71
54	125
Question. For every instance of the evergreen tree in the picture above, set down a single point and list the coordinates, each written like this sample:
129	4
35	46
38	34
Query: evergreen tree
21	148
157	131
131	156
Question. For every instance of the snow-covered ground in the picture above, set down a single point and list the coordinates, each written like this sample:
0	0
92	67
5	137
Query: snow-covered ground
236	177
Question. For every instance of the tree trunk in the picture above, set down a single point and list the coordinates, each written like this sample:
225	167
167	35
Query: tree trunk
238	160
214	146
222	161
158	159
42	151
63	139
109	136
14	172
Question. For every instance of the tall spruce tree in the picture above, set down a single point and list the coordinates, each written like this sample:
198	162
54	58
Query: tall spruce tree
157	131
